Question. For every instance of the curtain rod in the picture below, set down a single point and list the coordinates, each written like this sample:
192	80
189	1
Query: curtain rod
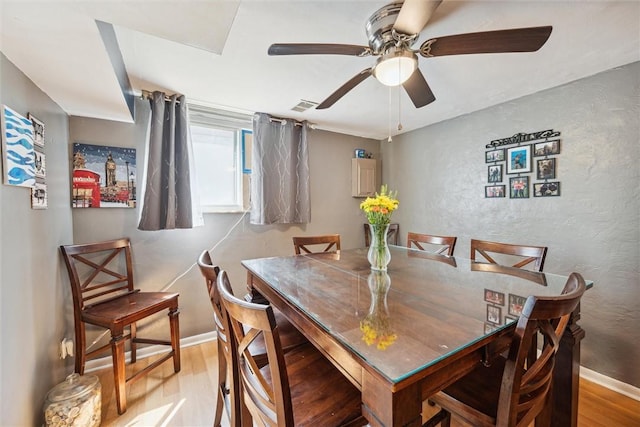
295	122
147	94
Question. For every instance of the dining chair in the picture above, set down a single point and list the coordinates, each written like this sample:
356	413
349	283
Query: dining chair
228	381
531	254
513	391
446	243
102	287
392	234
297	388
302	243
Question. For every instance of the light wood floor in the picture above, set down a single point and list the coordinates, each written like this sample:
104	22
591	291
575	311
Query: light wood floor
188	398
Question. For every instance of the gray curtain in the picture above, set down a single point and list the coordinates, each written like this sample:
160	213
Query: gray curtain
279	171
167	198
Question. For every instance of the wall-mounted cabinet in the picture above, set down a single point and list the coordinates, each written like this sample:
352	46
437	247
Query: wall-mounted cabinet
364	177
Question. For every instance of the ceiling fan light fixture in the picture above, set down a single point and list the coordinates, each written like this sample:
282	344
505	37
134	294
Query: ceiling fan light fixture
395	66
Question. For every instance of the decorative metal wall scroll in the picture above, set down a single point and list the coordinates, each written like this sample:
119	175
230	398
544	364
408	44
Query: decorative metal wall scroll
521	155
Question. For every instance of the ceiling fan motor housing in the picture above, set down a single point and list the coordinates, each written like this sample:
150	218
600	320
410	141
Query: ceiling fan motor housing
379	27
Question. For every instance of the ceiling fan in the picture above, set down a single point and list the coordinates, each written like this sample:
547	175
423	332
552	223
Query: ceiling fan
392	30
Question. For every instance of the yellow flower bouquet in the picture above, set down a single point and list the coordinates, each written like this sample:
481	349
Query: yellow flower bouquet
378	210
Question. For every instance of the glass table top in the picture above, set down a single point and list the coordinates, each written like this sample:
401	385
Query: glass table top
423	309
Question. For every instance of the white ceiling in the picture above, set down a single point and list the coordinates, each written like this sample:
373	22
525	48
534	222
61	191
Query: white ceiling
215	53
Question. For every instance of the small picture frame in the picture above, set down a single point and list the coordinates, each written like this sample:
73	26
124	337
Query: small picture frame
39	196
519	187
494	314
494	173
494	156
546	168
494	297
493	191
546	189
519	159
516	304
41	164
546	148
38	130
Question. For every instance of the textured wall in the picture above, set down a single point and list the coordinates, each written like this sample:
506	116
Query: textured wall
167	258
592	228
33	285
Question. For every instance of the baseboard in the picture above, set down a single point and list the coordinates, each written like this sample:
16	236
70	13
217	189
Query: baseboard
105	362
586	373
610	383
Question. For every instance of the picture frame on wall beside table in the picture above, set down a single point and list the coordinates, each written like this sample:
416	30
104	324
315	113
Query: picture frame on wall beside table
494	191
519	159
494	173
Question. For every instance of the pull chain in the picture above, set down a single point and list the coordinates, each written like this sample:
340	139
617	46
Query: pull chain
389	121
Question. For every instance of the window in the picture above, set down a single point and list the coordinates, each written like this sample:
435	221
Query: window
216	138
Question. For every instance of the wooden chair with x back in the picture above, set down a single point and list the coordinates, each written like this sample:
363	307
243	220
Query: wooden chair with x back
228	380
445	244
313	244
525	254
297	388
513	391
101	276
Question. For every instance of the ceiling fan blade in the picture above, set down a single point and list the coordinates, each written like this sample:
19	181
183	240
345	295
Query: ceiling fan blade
345	88
418	89
501	41
414	15
318	49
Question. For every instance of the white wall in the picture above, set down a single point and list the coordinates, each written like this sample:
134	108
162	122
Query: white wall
33	286
592	228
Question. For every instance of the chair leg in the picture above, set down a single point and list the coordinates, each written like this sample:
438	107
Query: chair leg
222	372
80	350
443	418
175	337
119	374
133	344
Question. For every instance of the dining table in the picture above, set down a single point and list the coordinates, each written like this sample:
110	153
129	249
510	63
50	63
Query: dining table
403	334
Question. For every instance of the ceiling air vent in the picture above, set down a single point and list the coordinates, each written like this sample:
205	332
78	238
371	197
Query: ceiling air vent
304	105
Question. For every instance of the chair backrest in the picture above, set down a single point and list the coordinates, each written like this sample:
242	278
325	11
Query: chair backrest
392	234
98	271
447	243
526	383
301	243
267	397
210	273
531	254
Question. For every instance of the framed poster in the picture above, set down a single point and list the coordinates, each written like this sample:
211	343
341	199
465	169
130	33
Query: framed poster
40	164
18	156
103	177
519	159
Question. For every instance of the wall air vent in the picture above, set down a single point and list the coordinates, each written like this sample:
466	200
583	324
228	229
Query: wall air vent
304	105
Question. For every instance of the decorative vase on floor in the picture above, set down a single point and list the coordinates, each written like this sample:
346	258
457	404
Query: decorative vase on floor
379	255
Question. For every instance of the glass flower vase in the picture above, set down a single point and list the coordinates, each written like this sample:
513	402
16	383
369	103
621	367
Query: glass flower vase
379	255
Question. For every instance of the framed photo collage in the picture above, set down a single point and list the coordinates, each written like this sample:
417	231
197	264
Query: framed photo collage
523	166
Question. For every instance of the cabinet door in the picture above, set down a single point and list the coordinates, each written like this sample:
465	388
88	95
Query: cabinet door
363	177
